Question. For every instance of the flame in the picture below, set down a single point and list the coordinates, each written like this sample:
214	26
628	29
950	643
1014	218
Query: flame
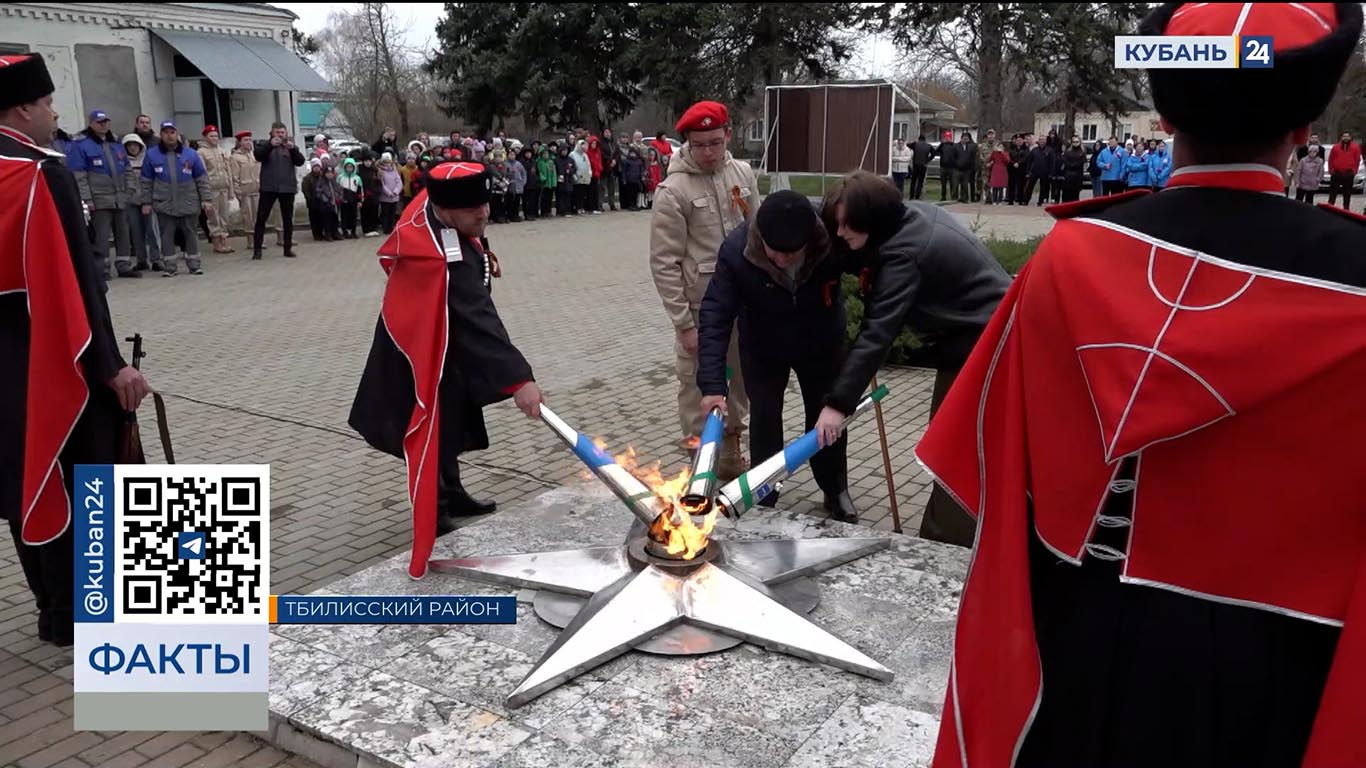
674	528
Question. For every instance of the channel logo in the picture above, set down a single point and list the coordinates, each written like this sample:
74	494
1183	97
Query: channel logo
1194	52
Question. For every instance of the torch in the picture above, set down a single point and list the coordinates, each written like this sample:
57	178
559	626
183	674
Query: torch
701	489
742	493
638	497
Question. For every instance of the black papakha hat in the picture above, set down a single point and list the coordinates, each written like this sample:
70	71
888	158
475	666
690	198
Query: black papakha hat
23	79
1311	45
459	185
786	220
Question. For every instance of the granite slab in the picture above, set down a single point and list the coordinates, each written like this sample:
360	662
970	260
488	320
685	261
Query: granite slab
413	695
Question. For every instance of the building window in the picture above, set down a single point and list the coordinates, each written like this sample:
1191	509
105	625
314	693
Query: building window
901	129
1088	132
1128	131
756	131
12	49
1057	128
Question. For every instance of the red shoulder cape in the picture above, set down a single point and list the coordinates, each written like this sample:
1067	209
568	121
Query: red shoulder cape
415	316
1235	388
36	262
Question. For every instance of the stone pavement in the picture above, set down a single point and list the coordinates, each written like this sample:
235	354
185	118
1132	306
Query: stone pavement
259	361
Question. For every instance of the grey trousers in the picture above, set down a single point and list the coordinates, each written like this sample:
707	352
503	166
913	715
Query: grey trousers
188	226
609	182
106	223
145	233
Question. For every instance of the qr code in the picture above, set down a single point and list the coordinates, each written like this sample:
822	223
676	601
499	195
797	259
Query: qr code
192	544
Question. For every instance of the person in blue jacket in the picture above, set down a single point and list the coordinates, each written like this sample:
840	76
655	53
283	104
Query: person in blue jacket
779	276
98	161
1137	169
175	187
1112	166
1159	166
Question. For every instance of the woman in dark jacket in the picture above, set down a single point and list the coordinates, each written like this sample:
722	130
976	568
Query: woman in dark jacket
1073	169
780	279
928	273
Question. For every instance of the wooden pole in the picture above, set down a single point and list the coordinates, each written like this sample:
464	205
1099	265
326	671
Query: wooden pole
886	463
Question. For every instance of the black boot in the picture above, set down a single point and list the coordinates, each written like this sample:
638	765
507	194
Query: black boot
841	507
462	504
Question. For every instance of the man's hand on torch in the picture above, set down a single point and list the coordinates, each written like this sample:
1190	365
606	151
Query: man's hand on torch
715	401
529	399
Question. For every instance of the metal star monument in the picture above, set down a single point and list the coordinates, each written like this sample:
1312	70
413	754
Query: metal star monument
611	599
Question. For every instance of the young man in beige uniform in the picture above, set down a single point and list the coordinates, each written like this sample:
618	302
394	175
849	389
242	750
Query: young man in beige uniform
217	168
707	194
246	182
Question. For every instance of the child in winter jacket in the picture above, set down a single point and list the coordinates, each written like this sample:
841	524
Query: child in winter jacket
594	152
369	202
175	186
1309	175
496	163
567	171
308	186
583	177
550	179
352	191
632	175
516	176
326	192
531	195
408	171
390	190
654	173
142	228
419	178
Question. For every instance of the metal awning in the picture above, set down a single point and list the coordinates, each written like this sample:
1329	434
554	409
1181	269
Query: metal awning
250	63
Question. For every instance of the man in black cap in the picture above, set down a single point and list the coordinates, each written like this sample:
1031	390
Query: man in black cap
779	278
441	352
1160	435
64	399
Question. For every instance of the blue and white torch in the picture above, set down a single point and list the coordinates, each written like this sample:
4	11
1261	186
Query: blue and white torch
637	496
741	494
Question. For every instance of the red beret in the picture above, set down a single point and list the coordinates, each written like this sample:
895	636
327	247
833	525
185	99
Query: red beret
241	134
703	116
208	129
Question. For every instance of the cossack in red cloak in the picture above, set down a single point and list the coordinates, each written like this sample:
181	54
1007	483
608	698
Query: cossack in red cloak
1224	383
414	314
36	262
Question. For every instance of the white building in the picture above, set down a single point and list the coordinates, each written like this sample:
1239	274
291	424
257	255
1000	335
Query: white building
223	64
1139	120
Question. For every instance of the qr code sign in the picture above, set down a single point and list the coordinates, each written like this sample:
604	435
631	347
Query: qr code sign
192	542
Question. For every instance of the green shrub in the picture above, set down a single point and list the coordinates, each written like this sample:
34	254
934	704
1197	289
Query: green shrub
1011	253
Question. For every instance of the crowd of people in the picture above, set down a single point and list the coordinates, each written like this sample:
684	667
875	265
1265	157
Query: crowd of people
149	193
1007	173
360	193
996	172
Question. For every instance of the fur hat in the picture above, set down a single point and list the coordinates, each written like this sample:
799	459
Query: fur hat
1312	43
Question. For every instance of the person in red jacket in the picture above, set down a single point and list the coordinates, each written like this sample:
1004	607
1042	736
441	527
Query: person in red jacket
595	161
1343	162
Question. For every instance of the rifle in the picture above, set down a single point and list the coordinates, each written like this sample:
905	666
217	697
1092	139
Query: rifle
132	444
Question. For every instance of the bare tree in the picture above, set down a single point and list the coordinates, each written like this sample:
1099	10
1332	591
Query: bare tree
390	55
378	76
